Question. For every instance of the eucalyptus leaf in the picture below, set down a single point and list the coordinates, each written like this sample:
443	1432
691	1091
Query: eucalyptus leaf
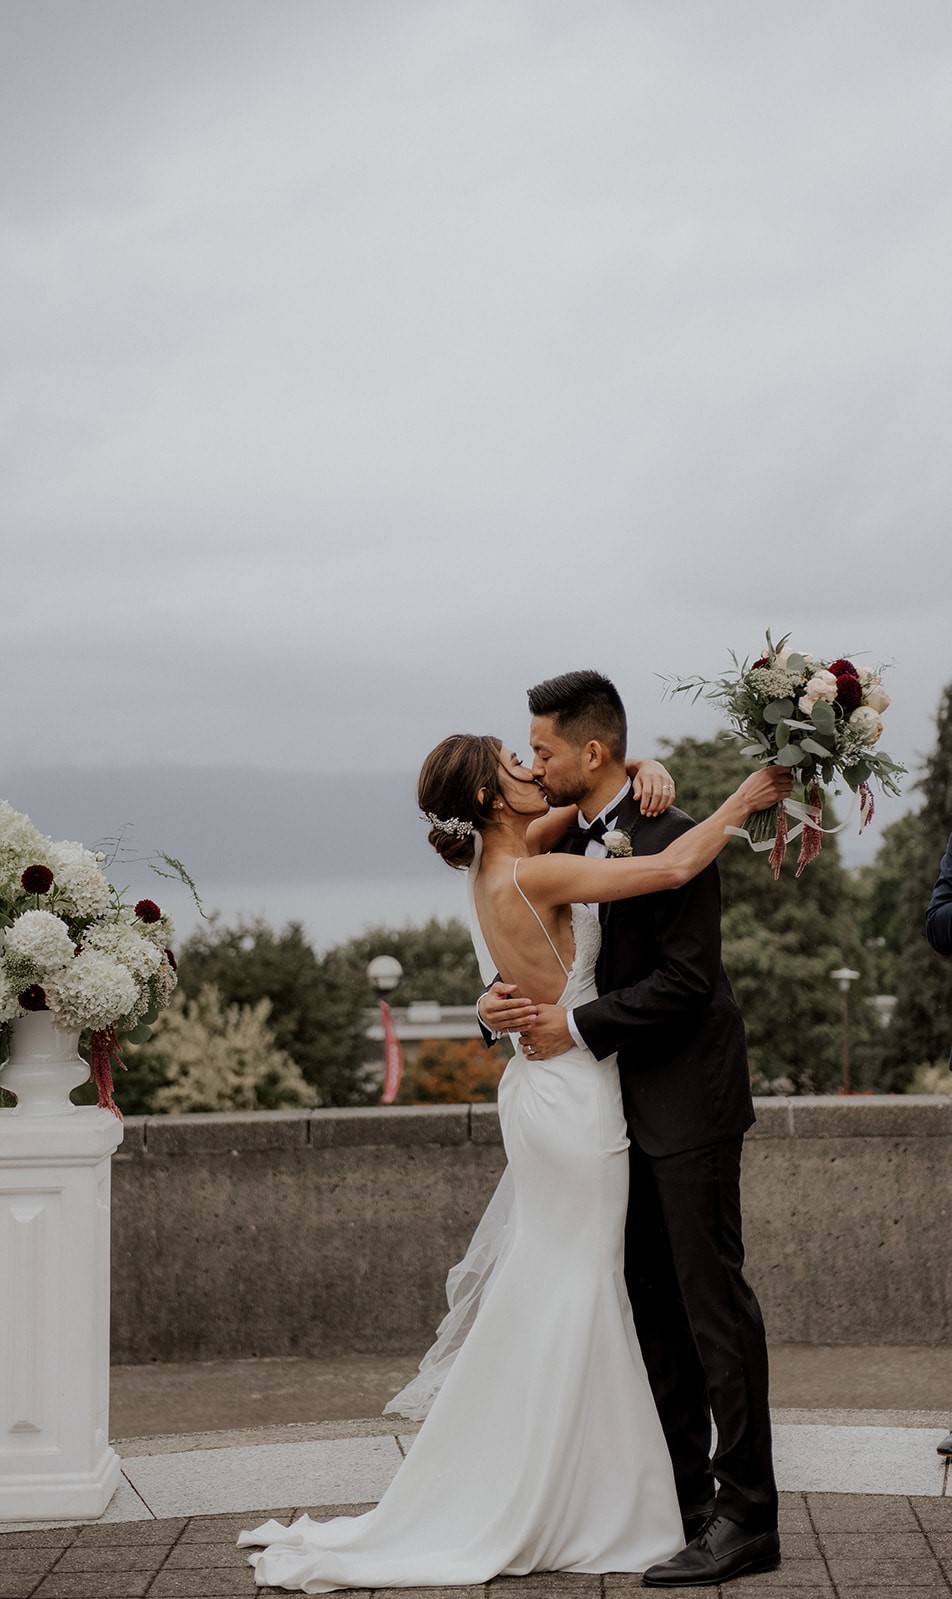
815	748
140	1034
823	716
777	711
790	755
796	663
755	749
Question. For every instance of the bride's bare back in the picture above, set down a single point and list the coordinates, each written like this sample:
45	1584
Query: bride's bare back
513	934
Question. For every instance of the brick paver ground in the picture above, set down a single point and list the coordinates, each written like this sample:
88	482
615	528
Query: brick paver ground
835	1546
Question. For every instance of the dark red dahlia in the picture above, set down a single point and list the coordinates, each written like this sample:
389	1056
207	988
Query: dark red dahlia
843	669
171	960
148	911
848	692
762	662
37	879
32	998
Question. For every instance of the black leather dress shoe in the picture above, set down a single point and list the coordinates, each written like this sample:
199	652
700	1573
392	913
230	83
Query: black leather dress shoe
695	1520
721	1551
945	1447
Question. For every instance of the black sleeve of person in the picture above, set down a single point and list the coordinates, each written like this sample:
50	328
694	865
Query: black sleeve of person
939	914
489	1039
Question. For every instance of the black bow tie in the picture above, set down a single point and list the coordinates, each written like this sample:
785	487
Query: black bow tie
595	833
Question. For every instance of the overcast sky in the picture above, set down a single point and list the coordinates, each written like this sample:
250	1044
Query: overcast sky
365	361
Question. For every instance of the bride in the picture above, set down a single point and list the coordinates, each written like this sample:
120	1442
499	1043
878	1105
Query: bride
541	1449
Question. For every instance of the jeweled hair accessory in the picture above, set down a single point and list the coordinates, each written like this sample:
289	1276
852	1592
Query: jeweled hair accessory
451	825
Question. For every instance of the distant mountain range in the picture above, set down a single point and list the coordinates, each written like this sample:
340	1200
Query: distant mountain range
236	825
337	852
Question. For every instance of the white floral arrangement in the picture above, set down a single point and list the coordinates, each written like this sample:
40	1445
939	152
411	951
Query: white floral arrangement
617	843
69	946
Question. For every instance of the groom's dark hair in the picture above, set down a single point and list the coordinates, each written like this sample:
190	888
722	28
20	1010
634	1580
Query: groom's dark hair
583	705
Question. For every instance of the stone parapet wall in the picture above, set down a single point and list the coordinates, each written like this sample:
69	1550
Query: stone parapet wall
330	1232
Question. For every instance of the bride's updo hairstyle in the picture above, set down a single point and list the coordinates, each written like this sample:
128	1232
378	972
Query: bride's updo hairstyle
450	780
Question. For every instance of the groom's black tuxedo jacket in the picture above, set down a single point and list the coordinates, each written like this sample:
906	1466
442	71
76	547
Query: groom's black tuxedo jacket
666	1004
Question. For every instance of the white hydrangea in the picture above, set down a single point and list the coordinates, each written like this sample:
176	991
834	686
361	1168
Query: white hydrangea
41	939
94	991
160	933
79	878
166	980
9	1004
21	845
126	944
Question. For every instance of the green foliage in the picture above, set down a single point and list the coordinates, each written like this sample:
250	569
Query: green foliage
316	1004
437	959
880	894
931	1079
781	941
213	1056
921	1028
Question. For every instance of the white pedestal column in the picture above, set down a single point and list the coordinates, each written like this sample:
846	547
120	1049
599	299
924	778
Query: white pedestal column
55	1458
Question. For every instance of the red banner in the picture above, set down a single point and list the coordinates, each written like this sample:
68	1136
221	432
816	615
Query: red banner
392	1055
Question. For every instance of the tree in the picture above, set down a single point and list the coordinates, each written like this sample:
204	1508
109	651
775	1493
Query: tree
316	1004
880	892
921	1027
781	941
437	959
445	1072
212	1056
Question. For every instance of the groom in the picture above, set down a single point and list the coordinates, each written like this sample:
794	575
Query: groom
666	1007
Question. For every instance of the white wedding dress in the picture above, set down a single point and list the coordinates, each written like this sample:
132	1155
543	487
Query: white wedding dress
541	1449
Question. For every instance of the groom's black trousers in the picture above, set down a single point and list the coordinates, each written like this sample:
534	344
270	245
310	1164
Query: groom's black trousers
700	1326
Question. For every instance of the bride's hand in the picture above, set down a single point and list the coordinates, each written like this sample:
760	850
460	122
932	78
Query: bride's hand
765	788
652	784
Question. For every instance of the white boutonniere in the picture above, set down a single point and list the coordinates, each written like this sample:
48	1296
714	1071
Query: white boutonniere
616	842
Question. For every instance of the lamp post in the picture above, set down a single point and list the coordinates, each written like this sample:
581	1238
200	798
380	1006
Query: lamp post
843	977
385	972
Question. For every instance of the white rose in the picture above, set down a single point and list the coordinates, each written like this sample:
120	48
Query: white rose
806	703
867	723
822	686
877	697
616	842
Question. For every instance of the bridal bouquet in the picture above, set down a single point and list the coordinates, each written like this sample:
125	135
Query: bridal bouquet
68	945
821	718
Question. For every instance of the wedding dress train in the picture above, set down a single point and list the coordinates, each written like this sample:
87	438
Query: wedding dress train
542	1449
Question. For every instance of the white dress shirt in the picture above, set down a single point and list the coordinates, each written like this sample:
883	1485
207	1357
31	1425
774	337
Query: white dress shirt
596	849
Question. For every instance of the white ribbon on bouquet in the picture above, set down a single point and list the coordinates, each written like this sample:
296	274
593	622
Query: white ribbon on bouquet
805	818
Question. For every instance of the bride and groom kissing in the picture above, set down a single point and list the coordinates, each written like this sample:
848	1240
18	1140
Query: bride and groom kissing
601	1317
